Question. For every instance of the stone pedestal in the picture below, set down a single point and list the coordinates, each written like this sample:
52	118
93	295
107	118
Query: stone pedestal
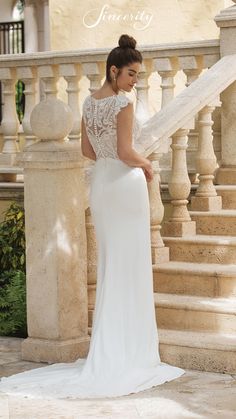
201	203
56	248
179	229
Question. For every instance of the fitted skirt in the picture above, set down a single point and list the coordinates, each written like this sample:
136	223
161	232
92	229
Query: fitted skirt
123	356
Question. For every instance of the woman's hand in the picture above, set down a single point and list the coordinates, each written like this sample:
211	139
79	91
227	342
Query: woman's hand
148	171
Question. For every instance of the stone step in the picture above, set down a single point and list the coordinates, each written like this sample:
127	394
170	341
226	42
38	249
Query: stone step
184	312
202	279
221	222
203	351
202	249
228	194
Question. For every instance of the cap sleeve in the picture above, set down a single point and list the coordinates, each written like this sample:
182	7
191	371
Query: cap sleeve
85	104
121	102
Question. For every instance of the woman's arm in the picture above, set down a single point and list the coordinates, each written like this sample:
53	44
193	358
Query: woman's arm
125	150
86	148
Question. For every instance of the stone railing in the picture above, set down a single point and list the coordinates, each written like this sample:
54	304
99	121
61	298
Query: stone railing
69	75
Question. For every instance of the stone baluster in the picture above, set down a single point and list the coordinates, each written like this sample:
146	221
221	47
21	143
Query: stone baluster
10	122
92	267
72	74
29	77
160	253
206	198
167	69
56	251
192	67
142	103
180	223
209	60
49	75
95	73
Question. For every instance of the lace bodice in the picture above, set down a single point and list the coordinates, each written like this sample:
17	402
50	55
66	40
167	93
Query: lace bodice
100	121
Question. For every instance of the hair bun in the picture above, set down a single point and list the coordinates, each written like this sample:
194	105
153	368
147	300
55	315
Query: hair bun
126	41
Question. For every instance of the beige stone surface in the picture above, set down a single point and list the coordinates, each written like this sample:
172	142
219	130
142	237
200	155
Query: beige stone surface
228	194
56	247
215	222
196	395
211	203
202	249
201	350
202	280
93	25
226	175
178	229
184	312
56	116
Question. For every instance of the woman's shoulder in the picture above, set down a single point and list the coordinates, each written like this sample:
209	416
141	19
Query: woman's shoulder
122	101
86	99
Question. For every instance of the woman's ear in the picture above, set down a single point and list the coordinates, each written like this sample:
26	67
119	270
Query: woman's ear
113	71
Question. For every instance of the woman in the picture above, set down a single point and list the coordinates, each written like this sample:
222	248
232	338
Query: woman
123	356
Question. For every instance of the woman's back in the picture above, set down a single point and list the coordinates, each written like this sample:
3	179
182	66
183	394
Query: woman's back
100	116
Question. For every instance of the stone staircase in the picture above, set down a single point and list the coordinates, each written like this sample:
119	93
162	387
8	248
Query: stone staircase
195	293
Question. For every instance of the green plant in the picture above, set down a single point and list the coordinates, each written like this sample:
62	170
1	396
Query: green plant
12	273
13	304
12	239
20	100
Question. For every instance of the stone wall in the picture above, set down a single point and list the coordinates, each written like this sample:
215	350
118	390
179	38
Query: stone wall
79	25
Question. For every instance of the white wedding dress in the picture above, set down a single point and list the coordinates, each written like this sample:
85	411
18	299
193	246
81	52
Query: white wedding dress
123	356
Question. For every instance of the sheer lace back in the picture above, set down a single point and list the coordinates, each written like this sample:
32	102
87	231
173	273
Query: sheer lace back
101	123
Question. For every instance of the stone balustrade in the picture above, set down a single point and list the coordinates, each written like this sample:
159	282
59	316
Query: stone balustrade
71	75
62	266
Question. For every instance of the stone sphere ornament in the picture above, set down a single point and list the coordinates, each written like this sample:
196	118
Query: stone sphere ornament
51	119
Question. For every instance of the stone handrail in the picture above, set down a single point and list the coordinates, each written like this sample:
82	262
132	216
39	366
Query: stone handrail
207	48
175	120
183	108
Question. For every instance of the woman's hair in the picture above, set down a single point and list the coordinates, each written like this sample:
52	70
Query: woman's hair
123	55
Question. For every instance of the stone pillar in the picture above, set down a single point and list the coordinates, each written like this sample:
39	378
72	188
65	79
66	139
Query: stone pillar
226	174
46	26
56	249
31	26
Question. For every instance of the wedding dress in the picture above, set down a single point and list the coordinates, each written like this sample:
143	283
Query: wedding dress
123	356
